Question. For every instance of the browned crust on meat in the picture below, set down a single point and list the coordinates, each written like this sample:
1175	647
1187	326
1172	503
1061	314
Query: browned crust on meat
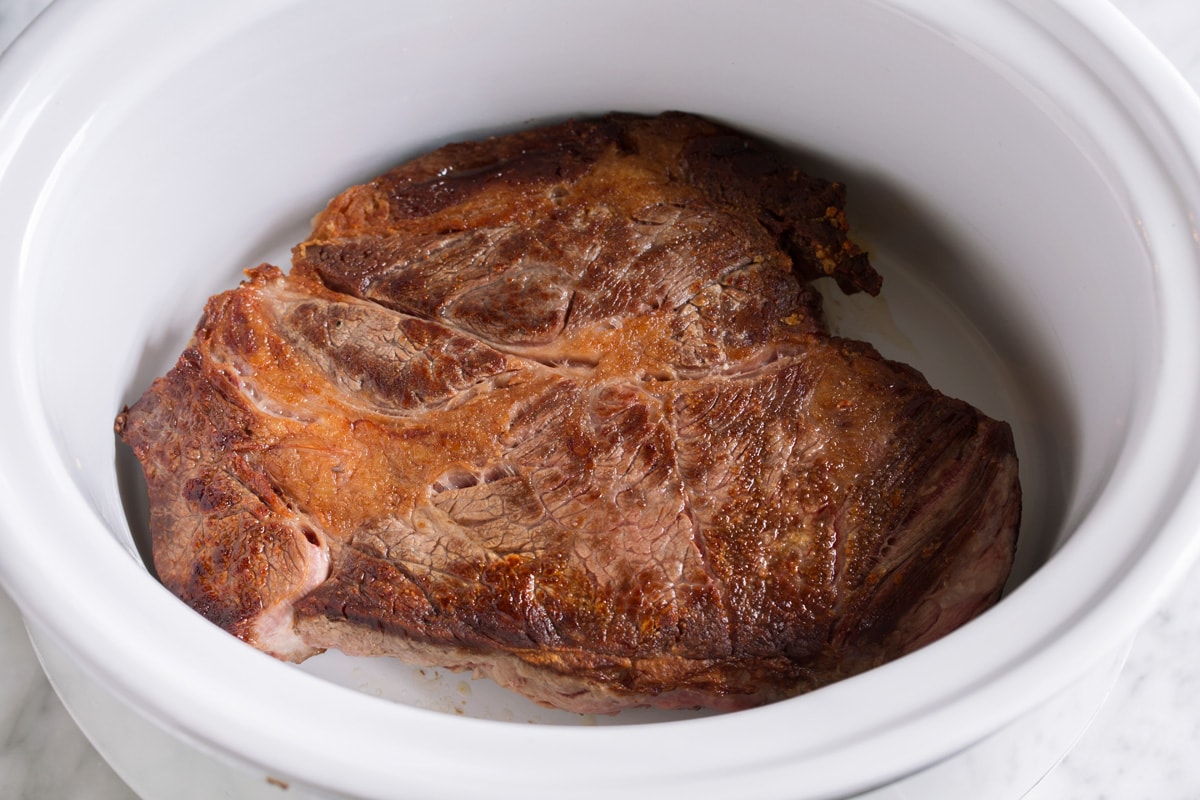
561	408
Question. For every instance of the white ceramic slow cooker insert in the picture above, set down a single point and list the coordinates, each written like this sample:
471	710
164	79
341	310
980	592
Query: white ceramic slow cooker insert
1024	174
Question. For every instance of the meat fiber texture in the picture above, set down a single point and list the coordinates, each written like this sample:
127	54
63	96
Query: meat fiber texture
561	408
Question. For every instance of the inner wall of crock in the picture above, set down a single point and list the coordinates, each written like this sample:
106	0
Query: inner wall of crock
1014	276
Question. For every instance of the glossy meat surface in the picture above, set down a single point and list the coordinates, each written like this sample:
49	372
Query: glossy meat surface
561	407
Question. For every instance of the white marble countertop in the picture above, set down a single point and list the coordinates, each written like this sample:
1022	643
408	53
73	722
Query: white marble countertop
1141	746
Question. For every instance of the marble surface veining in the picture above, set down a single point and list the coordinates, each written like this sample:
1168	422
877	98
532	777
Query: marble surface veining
1142	745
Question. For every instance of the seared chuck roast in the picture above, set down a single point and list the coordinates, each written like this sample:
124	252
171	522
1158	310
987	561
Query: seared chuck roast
561	407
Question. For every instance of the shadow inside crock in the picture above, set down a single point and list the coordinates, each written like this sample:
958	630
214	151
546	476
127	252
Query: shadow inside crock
135	499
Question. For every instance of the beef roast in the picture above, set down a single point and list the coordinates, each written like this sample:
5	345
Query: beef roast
561	407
